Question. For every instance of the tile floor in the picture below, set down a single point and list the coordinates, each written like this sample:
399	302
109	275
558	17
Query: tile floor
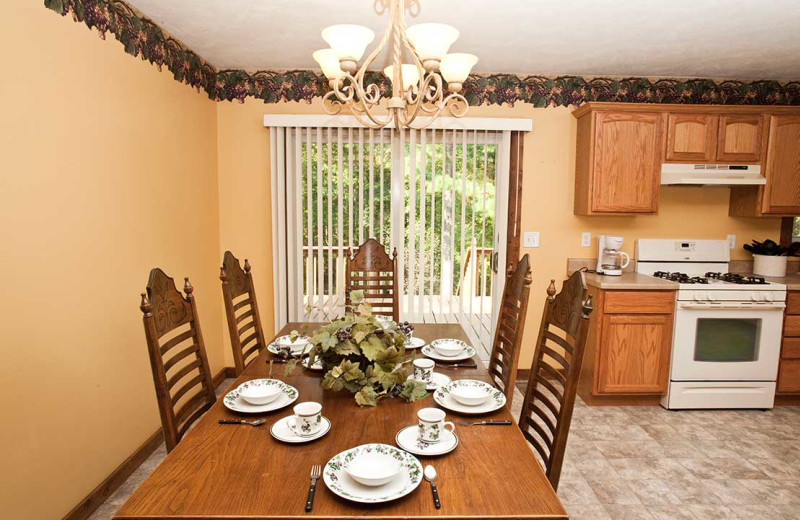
647	463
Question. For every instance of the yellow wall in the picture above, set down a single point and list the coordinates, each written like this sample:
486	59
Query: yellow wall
108	169
548	184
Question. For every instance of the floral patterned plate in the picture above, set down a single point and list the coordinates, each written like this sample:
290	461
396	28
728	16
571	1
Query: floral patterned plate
437	380
283	432
340	483
430	352
408	439
443	398
235	403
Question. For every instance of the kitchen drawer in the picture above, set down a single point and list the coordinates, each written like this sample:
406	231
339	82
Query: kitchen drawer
791	348
639	302
791	326
789	376
793	302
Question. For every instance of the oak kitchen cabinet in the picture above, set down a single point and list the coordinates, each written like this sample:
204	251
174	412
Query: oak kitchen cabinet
789	367
628	346
618	163
621	146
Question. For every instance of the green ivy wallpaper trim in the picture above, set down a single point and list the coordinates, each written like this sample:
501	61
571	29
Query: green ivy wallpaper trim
142	37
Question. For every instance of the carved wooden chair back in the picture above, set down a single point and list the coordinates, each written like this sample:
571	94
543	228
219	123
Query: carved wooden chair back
373	271
550	397
182	377
510	327
241	309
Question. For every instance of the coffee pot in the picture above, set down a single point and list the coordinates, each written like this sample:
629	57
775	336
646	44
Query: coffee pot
610	260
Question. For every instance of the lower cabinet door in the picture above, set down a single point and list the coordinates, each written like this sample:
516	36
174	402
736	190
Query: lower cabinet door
789	376
634	354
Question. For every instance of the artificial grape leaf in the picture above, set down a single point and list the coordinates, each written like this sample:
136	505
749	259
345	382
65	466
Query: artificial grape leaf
367	397
290	366
346	348
388	357
372	347
356	296
413	391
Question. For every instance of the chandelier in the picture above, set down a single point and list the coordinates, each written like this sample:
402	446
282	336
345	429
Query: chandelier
417	87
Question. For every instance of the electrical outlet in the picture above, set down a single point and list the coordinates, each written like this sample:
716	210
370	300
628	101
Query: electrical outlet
732	241
530	239
586	240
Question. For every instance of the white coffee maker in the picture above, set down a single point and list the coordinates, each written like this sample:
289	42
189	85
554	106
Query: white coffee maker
610	260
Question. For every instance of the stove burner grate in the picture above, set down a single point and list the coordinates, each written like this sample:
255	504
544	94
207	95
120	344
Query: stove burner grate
738	278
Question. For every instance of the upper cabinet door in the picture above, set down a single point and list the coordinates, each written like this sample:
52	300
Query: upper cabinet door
740	138
627	162
782	191
691	137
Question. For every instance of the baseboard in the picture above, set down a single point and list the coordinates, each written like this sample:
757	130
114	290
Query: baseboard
523	374
787	400
100	494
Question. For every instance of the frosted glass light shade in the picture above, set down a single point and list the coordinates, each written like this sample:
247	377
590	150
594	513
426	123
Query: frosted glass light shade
410	75
432	40
348	41
329	63
455	67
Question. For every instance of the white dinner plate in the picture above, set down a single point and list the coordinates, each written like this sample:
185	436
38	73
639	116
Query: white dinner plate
341	483
283	432
495	401
234	402
430	352
408	439
415	343
276	349
436	381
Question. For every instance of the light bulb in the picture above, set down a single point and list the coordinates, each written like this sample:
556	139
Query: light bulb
410	75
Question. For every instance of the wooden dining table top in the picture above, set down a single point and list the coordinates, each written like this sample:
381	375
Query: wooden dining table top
241	472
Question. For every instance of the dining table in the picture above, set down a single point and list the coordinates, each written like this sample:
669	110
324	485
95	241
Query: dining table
221	471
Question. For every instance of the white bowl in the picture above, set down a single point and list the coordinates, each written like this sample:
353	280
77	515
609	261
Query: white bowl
448	347
373	469
470	395
297	346
260	394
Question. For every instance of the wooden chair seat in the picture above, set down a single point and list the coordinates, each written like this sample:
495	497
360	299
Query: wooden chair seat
504	358
550	396
181	374
373	271
241	310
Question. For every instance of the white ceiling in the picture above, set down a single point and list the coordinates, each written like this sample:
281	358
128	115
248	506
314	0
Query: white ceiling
741	39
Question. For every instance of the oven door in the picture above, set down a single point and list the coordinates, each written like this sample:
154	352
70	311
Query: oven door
728	341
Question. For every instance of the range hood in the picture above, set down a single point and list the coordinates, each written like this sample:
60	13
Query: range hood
712	174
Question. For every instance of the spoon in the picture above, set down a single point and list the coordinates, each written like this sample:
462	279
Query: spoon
430	476
257	422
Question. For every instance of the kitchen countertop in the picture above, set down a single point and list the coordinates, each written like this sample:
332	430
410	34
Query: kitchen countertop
632	281
792	281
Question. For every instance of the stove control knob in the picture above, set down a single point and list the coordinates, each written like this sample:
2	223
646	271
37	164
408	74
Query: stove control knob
754	296
767	297
710	297
697	296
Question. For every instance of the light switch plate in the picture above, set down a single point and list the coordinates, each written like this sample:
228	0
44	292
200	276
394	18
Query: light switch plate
732	241
530	239
586	240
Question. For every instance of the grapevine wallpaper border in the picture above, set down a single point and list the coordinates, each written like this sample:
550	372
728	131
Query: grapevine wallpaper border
143	37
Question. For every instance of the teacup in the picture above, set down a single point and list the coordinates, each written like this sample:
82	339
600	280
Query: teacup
307	419
431	423
423	369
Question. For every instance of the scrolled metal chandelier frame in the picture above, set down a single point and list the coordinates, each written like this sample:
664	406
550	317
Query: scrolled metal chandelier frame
418	88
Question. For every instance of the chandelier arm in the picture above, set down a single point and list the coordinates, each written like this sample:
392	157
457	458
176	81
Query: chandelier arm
415	104
330	104
374	54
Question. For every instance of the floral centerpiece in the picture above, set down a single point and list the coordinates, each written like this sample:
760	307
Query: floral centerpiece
361	356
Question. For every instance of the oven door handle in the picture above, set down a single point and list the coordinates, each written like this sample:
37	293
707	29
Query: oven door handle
772	306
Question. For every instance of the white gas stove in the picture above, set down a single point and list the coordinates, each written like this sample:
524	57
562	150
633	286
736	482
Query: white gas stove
727	335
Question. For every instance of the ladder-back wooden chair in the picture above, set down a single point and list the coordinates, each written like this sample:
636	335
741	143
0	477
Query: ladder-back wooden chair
241	309
510	327
177	355
373	271
550	396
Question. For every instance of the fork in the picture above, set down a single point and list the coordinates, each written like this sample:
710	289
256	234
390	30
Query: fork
485	423
316	471
257	422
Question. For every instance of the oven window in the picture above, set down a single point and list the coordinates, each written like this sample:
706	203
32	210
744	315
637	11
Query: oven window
723	340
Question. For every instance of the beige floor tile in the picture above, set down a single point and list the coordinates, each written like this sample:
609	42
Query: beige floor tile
587	512
634	469
760	512
704	512
692	492
614	491
731	492
621	512
670	513
577	492
654	492
774	492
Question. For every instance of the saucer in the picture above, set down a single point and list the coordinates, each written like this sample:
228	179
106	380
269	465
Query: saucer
415	343
283	432
408	439
436	381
